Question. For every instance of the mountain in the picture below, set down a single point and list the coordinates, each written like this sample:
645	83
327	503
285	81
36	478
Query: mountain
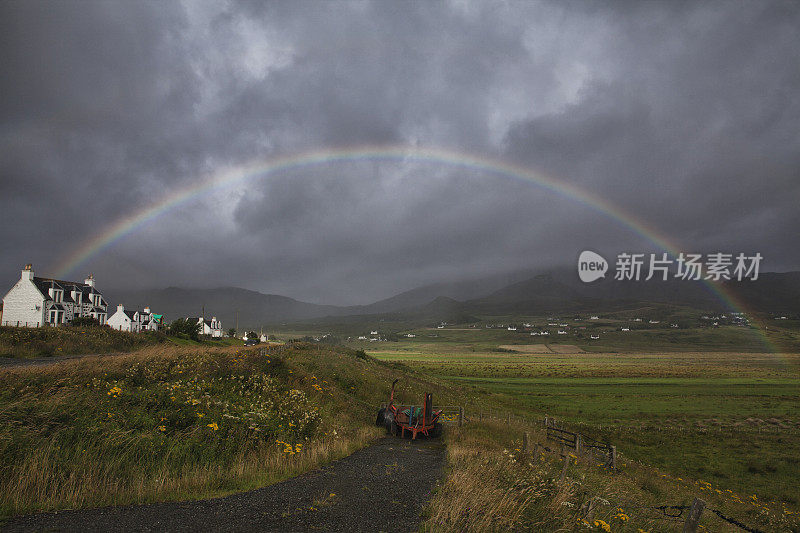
253	308
562	291
553	292
453	290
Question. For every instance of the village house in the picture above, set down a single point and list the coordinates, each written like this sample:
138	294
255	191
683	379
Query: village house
35	301
134	321
211	327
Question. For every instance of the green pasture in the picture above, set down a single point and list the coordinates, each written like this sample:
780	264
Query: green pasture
729	418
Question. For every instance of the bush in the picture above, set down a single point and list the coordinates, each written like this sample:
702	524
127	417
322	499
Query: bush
184	328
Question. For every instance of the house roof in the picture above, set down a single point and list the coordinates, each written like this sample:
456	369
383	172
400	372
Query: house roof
44	285
129	314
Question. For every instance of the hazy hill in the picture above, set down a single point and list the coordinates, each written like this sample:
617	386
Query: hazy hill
455	290
254	308
558	291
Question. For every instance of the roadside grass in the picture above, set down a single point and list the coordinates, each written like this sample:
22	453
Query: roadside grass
175	423
71	340
490	485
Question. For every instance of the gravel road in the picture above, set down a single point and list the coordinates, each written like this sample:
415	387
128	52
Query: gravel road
380	488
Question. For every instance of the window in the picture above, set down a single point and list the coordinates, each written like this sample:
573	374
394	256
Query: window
58	295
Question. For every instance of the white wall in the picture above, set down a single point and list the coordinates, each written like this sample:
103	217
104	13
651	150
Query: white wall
119	319
19	305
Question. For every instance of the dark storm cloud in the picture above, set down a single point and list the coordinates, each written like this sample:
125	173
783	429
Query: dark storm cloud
684	115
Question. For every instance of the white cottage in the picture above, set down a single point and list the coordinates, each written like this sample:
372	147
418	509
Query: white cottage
124	320
35	301
211	327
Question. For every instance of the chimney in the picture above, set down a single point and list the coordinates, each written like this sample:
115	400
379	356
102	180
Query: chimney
147	310
90	280
27	272
120	308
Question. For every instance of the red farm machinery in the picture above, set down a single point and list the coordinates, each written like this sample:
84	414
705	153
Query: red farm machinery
417	420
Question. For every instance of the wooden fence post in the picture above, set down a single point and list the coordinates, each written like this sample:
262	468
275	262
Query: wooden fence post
614	458
693	519
480	416
508	419
578	444
525	440
460	416
566	464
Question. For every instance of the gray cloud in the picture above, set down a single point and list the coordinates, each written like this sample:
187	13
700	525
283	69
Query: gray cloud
684	115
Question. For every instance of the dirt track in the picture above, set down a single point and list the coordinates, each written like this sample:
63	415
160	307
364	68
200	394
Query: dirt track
380	488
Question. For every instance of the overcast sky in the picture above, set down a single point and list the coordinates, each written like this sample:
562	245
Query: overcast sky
684	114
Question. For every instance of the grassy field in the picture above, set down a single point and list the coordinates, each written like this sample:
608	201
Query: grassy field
171	422
727	418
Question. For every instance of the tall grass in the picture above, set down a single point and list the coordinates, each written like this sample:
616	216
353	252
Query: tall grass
492	486
165	423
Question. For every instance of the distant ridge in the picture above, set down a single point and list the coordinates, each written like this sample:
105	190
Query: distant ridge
556	291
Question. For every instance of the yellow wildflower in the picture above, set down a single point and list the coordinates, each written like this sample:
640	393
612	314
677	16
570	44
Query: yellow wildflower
213	425
602	525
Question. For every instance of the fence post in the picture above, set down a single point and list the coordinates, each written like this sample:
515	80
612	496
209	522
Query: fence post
525	440
460	416
693	519
566	464
508	419
545	421
614	459
578	444
480	416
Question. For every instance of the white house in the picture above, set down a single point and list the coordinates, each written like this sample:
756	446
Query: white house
124	320
35	301
133	321
211	327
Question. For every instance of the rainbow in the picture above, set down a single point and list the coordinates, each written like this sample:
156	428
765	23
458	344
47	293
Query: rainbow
260	167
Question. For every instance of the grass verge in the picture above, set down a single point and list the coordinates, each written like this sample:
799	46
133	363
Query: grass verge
491	486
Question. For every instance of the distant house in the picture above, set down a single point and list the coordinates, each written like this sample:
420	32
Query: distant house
208	326
625	329
594	337
35	301
562	332
594	317
512	328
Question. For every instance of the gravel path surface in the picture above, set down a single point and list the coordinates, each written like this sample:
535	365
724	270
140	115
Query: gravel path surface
380	488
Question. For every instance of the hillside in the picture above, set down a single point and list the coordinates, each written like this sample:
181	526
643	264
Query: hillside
253	308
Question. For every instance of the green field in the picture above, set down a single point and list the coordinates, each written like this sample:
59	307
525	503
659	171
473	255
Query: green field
729	418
